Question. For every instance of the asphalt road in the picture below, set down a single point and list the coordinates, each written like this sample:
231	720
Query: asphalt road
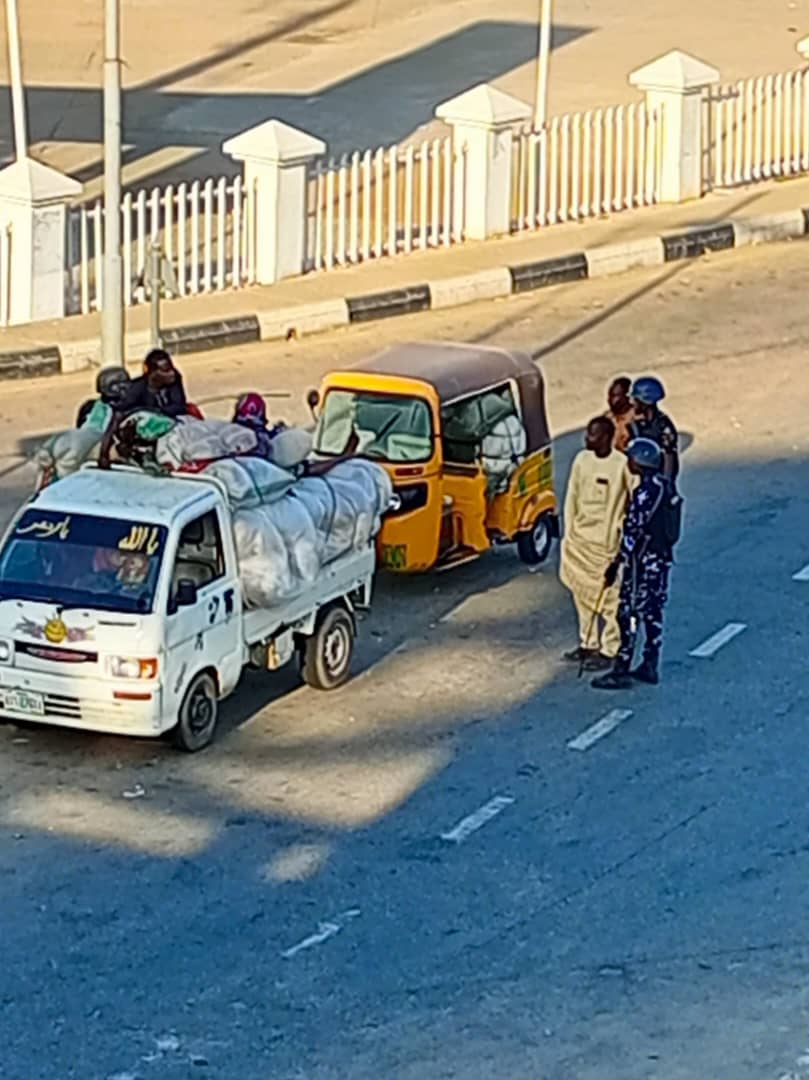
417	877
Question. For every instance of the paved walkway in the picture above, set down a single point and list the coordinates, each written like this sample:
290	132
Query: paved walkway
383	274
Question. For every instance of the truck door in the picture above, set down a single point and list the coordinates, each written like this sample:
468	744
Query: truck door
207	632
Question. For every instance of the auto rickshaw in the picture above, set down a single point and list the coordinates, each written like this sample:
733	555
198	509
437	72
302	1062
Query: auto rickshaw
463	433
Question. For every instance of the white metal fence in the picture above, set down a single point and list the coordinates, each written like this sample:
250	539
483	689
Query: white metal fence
205	229
385	201
757	129
584	165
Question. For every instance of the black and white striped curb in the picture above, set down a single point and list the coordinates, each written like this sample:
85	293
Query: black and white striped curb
490	284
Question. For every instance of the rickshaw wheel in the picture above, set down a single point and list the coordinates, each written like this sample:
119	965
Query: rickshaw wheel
534	544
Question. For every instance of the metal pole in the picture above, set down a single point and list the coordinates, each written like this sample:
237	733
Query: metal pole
543	59
112	326
155	282
15	72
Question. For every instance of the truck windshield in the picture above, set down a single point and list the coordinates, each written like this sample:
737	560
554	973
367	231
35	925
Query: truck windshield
75	560
389	427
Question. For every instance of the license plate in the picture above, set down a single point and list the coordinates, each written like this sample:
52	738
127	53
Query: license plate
21	701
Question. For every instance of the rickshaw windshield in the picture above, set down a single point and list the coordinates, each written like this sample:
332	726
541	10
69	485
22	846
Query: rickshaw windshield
389	427
76	560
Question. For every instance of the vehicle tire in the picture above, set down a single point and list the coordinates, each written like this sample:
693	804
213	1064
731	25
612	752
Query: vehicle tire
199	712
328	652
534	544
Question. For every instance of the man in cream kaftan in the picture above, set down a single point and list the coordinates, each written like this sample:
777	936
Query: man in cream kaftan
595	506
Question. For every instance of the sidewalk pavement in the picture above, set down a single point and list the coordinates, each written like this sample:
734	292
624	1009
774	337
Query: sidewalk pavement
475	270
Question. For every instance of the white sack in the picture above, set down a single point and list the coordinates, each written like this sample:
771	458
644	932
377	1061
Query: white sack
66	452
283	546
291	447
250	481
203	440
502	450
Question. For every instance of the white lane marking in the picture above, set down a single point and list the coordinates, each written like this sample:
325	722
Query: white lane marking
717	640
466	826
802	575
598	730
325	930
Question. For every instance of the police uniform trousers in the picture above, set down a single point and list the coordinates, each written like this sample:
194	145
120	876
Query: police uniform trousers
644	591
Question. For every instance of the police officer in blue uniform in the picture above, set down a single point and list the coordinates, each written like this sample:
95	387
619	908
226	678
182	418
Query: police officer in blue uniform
645	558
652	423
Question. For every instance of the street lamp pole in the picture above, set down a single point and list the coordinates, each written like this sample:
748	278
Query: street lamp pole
15	72
112	325
543	59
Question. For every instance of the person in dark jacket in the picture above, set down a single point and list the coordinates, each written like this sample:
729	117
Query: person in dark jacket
112	385
160	389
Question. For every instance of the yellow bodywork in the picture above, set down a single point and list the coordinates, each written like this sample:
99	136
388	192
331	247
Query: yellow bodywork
457	520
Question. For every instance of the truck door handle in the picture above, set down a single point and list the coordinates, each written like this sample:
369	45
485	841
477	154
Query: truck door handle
229	602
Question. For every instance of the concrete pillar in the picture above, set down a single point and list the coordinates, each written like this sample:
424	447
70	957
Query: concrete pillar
275	159
674	85
33	201
483	120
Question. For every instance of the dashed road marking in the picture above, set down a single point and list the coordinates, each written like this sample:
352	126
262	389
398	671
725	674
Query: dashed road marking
714	643
324	931
598	730
466	826
802	575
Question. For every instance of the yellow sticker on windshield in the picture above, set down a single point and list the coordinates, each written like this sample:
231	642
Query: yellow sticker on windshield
45	530
141	538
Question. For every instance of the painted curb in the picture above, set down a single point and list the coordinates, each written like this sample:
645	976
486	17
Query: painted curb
273	324
30	363
615	258
294	322
469	288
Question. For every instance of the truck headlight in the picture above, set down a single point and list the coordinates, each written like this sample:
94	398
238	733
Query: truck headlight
6	651
131	667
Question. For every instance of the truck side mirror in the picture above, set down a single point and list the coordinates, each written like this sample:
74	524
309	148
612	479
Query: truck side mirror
313	401
186	593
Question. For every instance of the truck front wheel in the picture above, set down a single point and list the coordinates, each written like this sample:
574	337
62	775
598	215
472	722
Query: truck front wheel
328	652
199	712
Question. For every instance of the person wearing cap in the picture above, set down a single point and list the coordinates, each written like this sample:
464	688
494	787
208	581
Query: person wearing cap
620	411
651	422
112	385
595	505
644	561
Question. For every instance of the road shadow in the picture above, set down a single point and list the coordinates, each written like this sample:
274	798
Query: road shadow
382	105
179	878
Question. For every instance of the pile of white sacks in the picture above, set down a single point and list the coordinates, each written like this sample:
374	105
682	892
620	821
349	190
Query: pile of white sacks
286	527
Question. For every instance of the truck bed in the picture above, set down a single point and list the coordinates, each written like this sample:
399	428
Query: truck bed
344	575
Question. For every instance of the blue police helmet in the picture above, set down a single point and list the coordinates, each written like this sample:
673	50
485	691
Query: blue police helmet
648	390
644	452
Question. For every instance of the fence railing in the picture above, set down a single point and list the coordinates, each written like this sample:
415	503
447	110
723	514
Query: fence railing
205	229
584	165
757	129
384	202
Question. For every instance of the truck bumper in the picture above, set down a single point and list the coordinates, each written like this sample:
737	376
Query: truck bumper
85	704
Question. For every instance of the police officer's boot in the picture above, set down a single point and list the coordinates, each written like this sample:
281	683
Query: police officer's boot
617	679
646	672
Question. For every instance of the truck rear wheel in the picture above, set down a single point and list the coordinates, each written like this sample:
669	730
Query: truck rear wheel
329	651
199	712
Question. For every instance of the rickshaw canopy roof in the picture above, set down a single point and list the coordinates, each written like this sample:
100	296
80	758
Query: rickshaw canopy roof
460	370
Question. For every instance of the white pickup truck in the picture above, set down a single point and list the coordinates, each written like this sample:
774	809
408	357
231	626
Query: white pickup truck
121	609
